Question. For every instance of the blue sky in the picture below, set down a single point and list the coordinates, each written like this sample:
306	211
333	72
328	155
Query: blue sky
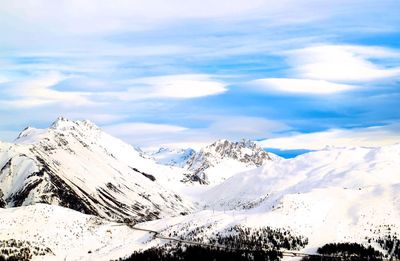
299	75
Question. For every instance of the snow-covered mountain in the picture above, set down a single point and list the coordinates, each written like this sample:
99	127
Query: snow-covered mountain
76	165
212	164
347	169
172	157
221	159
349	194
332	195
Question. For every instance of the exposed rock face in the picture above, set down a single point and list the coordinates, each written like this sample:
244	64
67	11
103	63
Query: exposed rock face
75	164
2	202
244	151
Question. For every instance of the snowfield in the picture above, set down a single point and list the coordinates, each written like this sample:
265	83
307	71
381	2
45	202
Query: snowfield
70	235
352	169
335	195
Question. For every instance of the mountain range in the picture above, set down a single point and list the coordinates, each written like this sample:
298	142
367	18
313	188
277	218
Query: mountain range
78	185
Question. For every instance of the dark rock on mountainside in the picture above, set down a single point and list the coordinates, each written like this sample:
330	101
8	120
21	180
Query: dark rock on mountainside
2	202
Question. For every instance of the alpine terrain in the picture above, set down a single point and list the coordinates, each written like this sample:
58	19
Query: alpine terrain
73	192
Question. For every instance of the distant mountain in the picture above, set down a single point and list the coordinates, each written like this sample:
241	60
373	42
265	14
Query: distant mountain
222	159
172	157
75	164
213	163
333	195
348	171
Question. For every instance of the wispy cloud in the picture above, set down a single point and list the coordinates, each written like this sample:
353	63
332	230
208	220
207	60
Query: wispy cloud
368	137
42	90
103	16
171	86
39	91
142	129
3	79
342	63
299	86
231	128
150	135
326	69
145	134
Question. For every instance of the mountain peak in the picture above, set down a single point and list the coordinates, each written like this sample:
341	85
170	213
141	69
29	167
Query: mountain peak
30	135
75	164
63	123
223	144
25	132
244	152
172	156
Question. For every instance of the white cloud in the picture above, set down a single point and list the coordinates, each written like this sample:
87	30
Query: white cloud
185	86
341	63
145	134
326	69
171	86
142	129
94	16
300	86
238	127
368	137
3	79
38	91
148	135
231	128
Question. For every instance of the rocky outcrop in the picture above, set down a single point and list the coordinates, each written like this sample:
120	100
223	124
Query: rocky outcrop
244	151
2	202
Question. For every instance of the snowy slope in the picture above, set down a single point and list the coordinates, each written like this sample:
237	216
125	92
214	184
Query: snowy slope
76	165
347	169
194	173
221	159
343	192
172	157
336	195
68	234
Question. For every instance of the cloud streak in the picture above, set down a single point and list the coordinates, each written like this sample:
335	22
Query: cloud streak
152	135
368	137
342	63
39	91
170	87
82	17
327	69
299	86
